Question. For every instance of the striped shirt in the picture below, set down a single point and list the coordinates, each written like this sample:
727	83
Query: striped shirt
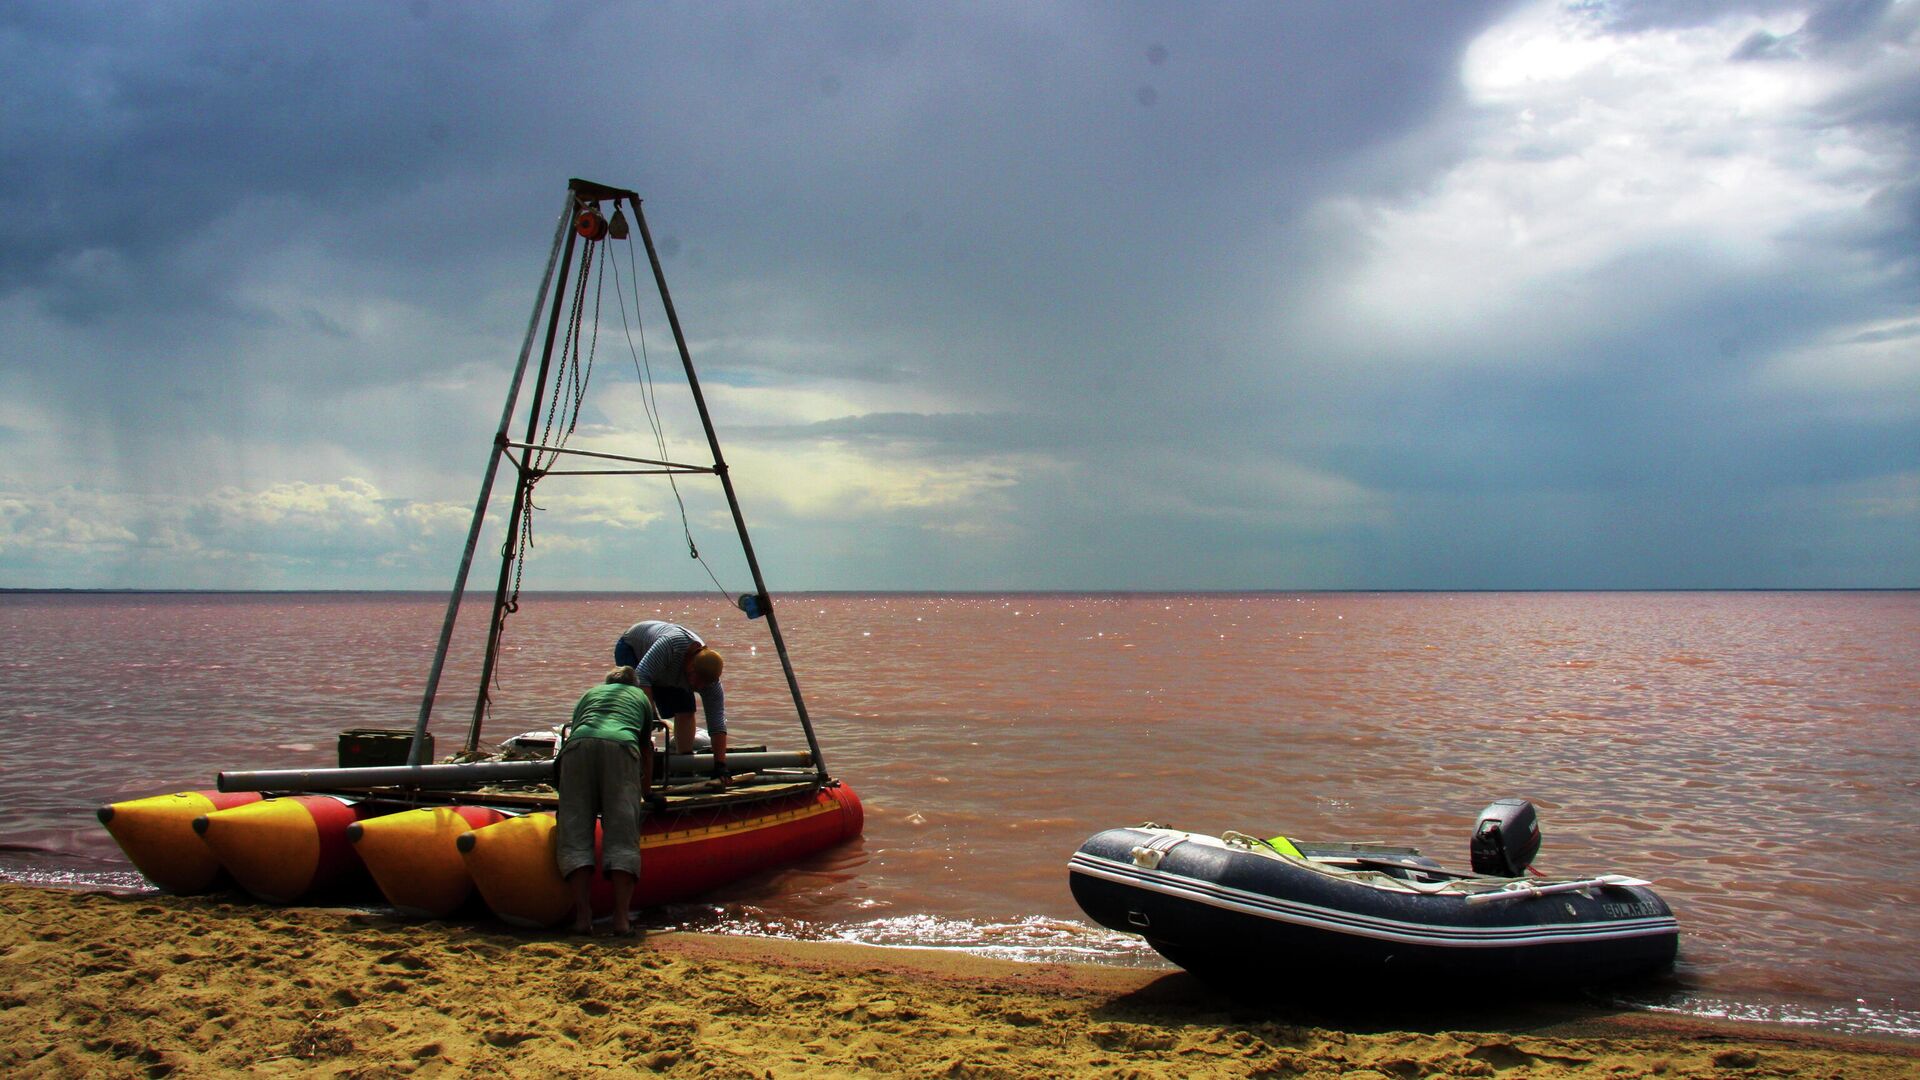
663	648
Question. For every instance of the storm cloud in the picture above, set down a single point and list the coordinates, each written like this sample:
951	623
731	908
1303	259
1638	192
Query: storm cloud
1503	295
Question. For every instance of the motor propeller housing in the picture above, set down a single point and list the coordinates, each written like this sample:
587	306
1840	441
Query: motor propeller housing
1506	838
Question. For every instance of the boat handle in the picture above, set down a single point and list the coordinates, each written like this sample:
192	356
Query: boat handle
1138	918
1148	858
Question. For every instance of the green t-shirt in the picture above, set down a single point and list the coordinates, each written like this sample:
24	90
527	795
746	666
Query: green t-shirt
613	711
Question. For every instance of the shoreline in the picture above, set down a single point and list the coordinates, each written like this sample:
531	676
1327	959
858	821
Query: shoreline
100	983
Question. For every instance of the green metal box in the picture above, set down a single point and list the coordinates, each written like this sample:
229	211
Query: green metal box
379	746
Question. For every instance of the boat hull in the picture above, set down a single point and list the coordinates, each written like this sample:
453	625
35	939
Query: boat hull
1236	915
682	854
414	859
285	850
156	833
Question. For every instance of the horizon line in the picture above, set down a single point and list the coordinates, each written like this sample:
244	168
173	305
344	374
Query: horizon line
1144	591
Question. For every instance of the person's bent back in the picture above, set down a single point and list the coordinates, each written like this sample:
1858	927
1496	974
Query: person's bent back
604	771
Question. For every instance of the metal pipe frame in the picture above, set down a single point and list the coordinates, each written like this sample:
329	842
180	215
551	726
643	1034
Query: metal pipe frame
671	466
496	623
520	463
726	483
466	775
552	296
419	748
416	776
626	472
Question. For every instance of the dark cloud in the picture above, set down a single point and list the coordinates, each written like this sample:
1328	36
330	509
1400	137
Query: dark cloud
1828	28
1846	20
143	126
247	246
1761	45
1637	15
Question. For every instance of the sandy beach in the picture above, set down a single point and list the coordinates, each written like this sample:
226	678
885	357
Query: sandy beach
95	984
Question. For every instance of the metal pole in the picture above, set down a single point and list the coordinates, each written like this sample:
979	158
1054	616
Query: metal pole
496	623
451	777
747	761
443	777
726	482
419	749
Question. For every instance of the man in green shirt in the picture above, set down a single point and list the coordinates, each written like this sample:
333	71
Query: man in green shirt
606	760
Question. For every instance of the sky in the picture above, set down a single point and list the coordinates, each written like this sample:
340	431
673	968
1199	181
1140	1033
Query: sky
996	296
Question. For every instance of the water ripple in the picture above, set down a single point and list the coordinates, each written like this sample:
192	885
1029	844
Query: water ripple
1754	754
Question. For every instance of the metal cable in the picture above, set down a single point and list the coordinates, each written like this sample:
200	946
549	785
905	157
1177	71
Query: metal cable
643	368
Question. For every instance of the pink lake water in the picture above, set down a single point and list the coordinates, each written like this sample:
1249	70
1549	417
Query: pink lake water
1754	754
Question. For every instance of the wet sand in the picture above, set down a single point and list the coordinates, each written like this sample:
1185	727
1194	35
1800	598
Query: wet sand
94	984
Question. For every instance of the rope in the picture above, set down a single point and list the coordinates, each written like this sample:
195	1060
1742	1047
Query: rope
649	403
579	347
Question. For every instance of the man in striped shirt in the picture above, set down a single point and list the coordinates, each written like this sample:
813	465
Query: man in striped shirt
673	664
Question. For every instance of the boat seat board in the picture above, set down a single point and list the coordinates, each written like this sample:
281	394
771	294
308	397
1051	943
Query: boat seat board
1321	849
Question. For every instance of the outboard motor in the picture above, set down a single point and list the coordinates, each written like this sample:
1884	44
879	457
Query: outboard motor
1506	839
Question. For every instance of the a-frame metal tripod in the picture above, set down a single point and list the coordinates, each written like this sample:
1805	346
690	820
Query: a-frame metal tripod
525	456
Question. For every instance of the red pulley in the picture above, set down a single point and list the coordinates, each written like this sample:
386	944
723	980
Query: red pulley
590	224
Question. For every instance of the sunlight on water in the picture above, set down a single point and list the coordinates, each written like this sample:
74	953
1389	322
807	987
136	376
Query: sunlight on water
1860	1018
1030	940
116	881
